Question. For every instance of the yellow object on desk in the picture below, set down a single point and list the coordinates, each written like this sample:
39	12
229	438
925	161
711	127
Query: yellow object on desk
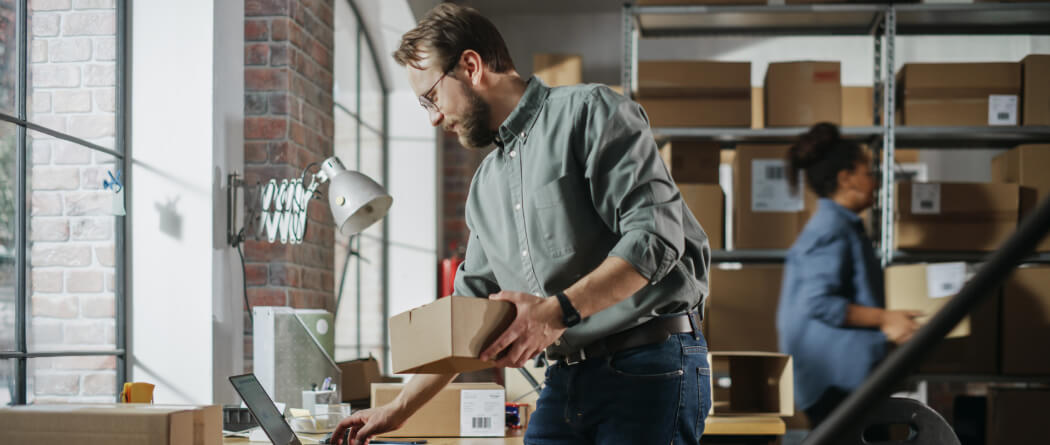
137	392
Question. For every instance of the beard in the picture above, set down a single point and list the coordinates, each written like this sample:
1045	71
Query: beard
474	129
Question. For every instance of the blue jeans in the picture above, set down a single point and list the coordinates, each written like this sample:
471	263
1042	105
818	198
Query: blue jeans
654	394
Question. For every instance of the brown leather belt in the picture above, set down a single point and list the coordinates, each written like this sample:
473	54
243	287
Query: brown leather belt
653	331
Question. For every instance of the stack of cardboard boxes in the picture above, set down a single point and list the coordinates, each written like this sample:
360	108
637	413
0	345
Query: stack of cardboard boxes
695	93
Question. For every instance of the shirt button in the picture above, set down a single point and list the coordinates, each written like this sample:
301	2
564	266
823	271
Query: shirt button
517	206
524	253
513	153
557	342
523	135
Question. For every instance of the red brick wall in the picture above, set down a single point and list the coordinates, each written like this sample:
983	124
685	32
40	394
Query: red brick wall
458	167
288	57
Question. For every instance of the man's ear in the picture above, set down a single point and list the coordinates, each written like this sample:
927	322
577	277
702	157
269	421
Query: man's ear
474	66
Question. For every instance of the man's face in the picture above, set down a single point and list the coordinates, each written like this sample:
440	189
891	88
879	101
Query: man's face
456	106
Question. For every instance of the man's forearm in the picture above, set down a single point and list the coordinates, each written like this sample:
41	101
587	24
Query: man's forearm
419	390
612	282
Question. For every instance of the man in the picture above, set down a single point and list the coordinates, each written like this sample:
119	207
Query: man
575	220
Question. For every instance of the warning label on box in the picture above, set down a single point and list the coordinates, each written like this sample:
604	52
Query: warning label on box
769	187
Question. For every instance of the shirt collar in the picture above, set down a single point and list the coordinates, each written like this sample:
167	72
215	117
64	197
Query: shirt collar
837	209
519	122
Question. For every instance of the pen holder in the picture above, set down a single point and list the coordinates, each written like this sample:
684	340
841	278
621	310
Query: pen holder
313	398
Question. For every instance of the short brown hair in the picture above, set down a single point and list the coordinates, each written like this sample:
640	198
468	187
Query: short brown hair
447	31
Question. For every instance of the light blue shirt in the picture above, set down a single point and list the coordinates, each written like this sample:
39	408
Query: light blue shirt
831	265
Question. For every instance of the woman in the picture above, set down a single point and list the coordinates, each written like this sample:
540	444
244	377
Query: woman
831	317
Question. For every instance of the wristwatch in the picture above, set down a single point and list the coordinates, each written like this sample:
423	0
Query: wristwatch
569	316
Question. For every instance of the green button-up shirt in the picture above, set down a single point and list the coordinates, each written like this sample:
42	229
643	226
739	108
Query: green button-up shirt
577	178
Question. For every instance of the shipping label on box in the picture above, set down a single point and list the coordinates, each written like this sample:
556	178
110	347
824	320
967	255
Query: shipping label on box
926	199
482	412
1002	109
769	187
946	279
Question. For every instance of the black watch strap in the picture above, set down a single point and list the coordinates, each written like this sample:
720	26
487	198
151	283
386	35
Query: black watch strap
569	316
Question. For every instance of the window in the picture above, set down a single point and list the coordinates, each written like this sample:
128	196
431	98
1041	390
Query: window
361	143
61	228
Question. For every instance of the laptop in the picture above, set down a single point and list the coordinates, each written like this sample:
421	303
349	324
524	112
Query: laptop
264	410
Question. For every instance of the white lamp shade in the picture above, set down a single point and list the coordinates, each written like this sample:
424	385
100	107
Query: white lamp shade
356	200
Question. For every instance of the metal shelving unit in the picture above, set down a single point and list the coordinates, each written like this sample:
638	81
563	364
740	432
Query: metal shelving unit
883	23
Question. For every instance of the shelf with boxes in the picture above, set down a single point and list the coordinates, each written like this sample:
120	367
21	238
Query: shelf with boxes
937	106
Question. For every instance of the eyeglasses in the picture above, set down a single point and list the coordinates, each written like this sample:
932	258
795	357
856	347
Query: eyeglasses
425	100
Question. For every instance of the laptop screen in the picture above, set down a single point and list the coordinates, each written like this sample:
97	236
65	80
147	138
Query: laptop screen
264	410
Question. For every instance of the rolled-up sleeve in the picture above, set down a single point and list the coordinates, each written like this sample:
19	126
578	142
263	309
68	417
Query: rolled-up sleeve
822	282
630	186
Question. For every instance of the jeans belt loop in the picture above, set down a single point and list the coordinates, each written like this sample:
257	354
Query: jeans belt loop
695	325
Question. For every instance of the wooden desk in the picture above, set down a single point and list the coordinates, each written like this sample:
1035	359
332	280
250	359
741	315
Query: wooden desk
718	430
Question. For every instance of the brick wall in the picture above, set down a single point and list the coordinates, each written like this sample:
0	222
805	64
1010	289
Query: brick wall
288	125
72	63
459	165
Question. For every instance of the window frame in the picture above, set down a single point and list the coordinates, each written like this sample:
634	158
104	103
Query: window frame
21	354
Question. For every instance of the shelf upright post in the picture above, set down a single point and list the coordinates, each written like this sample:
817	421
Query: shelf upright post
888	140
630	50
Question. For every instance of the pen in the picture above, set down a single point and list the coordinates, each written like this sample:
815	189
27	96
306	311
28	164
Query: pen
324	386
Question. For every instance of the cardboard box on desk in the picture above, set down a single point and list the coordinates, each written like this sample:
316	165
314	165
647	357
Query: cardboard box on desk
752	384
1026	322
742	308
800	94
1026	166
447	336
1035	70
707	202
459	410
766	214
111	424
959	94
692	161
955	216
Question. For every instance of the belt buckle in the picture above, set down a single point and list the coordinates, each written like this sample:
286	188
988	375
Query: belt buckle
569	358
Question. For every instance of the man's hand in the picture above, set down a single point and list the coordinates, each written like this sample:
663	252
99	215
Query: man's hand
899	326
367	423
536	326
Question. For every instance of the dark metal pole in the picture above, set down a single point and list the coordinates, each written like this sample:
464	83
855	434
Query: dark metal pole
21	211
897	365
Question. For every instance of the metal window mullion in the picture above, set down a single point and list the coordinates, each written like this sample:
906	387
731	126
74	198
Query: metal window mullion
58	135
44	354
357	150
384	261
120	300
21	219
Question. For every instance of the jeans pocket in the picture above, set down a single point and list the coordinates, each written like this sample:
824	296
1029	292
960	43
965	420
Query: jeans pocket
703	384
659	361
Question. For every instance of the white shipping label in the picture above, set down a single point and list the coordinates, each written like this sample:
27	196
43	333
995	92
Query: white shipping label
769	187
925	199
482	412
945	279
1002	109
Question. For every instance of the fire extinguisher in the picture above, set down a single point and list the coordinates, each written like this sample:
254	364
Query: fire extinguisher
448	271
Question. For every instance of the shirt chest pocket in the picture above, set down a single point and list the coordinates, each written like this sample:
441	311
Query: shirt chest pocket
556	216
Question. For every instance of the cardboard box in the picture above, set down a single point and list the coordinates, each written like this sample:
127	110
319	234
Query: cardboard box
1026	322
858	107
1016	416
741	312
692	161
358	377
448	335
766	215
557	70
758	384
443	416
926	288
952	94
697	112
1035	70
800	94
973	346
111	424
673	79
945	216
1026	166
707	202
758	108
